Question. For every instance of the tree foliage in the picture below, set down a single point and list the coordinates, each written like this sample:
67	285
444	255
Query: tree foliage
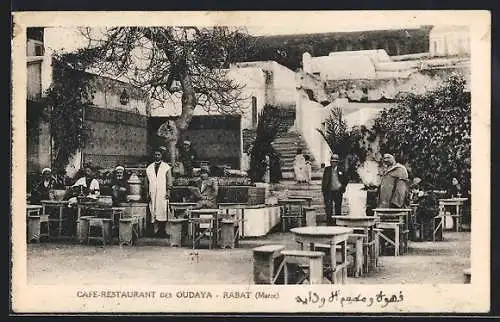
173	63
267	130
66	100
349	144
431	133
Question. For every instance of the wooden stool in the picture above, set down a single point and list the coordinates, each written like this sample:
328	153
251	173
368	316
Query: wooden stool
310	216
267	264
44	226
128	231
83	228
467	275
393	227
178	231
377	247
314	266
438	228
229	233
33	229
457	222
358	254
99	229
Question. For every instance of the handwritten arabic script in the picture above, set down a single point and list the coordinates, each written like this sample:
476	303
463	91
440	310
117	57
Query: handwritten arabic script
382	299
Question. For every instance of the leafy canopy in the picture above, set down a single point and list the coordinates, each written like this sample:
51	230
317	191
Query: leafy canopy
431	133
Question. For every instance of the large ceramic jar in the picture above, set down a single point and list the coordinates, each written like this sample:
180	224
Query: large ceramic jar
134	184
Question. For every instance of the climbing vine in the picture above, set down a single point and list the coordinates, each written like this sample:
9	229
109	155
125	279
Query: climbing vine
66	100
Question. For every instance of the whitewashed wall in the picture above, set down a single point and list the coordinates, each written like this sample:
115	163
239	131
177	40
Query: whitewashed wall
309	117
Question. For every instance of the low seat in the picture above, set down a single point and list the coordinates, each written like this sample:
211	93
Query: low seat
99	230
128	231
268	264
311	271
178	229
82	228
394	229
229	233
33	231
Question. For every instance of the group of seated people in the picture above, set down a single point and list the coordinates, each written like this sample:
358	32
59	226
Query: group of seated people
426	198
87	187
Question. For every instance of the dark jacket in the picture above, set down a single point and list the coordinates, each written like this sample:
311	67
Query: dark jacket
41	192
327	179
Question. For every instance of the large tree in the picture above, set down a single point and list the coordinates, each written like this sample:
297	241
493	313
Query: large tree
186	64
431	133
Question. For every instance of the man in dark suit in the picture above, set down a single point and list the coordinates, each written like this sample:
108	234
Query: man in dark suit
333	187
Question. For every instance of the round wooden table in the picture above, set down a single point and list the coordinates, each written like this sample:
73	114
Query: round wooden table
331	237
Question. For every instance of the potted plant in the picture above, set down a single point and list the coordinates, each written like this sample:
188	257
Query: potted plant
354	147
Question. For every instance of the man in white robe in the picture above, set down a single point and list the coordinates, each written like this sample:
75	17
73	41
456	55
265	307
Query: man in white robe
159	184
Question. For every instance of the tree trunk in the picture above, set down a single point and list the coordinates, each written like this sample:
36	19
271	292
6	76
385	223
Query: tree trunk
188	103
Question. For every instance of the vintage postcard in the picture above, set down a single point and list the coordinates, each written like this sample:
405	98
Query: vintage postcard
251	162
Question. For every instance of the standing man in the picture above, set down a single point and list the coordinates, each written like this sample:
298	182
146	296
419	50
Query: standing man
393	191
187	157
159	183
333	187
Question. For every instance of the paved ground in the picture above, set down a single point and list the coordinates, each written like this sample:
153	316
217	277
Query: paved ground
152	262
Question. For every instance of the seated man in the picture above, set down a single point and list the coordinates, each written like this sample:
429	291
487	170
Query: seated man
208	190
119	185
42	191
86	186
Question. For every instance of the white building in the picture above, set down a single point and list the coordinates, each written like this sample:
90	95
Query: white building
449	41
117	117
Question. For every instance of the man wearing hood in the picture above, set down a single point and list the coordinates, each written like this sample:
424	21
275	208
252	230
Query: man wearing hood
393	191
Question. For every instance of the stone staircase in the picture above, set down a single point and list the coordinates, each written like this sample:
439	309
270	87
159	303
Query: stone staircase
287	144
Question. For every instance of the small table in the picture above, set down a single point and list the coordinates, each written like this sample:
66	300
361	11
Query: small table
182	206
195	219
286	206
389	217
452	202
60	205
81	206
334	237
308	198
367	225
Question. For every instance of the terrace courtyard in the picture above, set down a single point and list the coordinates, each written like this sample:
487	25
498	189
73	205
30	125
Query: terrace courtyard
152	262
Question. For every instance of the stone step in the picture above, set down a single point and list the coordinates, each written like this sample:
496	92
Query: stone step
290	175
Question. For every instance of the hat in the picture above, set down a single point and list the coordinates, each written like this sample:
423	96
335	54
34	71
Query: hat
335	157
187	142
160	149
120	168
46	170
